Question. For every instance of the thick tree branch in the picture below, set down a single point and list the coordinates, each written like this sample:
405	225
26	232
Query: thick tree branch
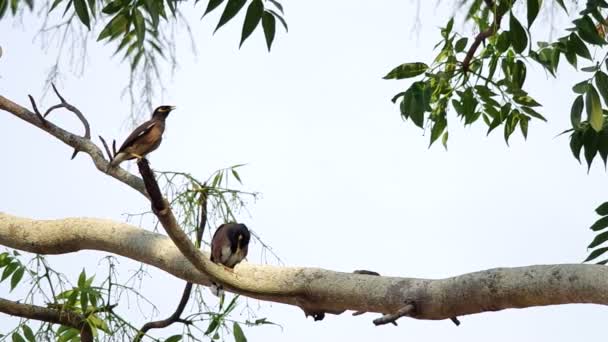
78	143
489	290
64	317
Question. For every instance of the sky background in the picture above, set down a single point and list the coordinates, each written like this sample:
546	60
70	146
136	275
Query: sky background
345	183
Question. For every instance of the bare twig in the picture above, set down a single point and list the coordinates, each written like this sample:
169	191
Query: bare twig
175	316
64	317
408	310
68	106
105	146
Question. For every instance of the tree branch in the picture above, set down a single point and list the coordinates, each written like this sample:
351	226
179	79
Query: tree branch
64	317
329	291
175	316
78	143
499	12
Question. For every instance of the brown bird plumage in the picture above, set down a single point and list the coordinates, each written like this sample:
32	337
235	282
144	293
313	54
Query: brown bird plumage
144	139
229	244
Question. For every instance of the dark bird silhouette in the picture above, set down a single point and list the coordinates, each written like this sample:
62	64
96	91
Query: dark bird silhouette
229	246
144	139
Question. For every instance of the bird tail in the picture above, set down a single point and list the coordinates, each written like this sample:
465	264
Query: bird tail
118	158
216	290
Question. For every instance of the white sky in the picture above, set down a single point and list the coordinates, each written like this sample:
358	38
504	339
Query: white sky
346	184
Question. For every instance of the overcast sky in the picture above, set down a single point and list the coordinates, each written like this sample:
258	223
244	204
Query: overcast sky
345	183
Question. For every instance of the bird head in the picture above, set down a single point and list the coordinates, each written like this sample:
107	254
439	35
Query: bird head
162	112
242	237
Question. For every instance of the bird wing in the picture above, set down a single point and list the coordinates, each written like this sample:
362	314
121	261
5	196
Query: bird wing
138	132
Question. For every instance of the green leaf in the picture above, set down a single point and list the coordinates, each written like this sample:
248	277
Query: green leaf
590	143
596	253
600	224
213	325
140	26
601	81
277	5
80	6
84	301
594	109
533	8
461	44
526	101
587	31
113	7
581	87
561	3
252	19
438	128
239	336
283	22
578	46
502	44
17	338
602	146
232	8
29	334
212	5
406	70
519	38
8	270
117	25
174	338
269	26
599	239
444	139
17	276
576	111
576	144
533	113
82	278
602	209
53	6
523	125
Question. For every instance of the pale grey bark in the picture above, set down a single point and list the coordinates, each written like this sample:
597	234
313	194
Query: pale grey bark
322	290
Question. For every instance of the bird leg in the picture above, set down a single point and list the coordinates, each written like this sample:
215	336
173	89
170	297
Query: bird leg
137	156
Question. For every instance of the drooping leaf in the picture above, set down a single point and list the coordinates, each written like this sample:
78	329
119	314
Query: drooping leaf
601	81
269	26
576	144
578	46
594	109
113	7
533	9
596	253
519	38
117	25
9	269
598	240
140	26
80	6
590	143
600	224
239	336
602	209
437	129
212	5
587	31
406	70
174	338
461	44
17	276
576	111
28	333
16	337
252	19
232	8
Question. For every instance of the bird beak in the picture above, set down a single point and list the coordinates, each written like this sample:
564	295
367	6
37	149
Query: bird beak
172	107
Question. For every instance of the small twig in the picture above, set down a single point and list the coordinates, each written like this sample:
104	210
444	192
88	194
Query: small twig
36	111
105	146
372	273
407	310
68	106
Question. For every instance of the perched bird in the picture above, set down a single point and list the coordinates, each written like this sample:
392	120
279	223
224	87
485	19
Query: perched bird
229	246
144	139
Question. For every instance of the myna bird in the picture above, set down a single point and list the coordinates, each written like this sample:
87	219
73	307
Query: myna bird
144	139
229	246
